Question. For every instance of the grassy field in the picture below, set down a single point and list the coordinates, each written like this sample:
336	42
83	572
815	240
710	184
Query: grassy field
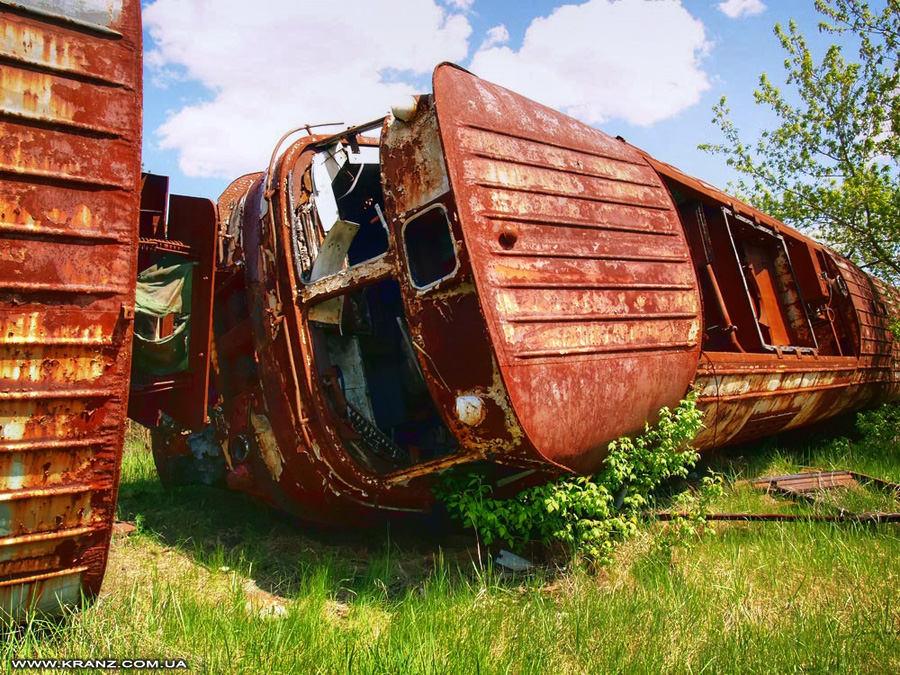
212	578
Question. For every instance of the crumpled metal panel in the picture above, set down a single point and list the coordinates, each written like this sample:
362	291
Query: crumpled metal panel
581	265
70	125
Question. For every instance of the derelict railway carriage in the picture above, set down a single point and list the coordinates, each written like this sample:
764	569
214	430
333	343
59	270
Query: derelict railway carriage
494	283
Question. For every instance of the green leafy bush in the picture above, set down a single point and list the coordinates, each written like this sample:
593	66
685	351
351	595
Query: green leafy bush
881	424
589	513
693	506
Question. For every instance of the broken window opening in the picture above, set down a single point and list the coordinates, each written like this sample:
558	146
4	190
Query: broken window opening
372	380
430	249
162	316
340	221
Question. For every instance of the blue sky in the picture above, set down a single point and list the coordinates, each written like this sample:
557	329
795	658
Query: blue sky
224	81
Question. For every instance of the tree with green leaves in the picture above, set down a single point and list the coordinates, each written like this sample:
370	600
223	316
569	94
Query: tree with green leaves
831	166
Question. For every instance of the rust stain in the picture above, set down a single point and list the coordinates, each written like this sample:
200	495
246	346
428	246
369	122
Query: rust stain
58	100
421	153
268	446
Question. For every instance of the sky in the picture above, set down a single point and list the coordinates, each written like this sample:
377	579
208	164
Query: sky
224	79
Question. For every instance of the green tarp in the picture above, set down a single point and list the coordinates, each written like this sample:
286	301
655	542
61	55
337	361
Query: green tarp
162	289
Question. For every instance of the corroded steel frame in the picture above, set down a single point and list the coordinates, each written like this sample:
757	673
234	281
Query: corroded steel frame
746	396
179	228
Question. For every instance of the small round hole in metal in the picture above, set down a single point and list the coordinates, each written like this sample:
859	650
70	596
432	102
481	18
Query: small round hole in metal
507	239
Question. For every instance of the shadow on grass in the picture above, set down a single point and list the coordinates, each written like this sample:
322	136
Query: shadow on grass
282	556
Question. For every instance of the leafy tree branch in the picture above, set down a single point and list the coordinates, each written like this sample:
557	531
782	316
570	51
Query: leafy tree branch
831	165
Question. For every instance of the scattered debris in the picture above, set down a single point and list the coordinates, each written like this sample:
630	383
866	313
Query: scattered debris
807	485
335	609
789	517
272	612
262	603
513	562
802	484
122	528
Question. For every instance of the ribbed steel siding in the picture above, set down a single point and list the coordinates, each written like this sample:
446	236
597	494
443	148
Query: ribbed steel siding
748	396
594	310
70	96
874	303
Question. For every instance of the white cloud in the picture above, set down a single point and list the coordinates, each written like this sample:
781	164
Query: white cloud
735	9
460	4
288	63
498	35
633	60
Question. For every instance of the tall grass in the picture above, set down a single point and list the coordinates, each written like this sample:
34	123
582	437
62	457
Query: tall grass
204	577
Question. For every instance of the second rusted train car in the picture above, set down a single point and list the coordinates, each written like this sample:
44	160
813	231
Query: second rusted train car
496	284
70	138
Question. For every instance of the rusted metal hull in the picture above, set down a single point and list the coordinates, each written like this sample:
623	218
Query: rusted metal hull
70	126
177	229
495	285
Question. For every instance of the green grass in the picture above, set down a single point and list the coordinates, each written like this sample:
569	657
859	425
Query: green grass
202	576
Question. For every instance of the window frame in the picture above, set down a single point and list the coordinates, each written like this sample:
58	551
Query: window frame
456	266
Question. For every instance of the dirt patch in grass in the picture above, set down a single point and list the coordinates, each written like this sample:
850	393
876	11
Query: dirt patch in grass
138	560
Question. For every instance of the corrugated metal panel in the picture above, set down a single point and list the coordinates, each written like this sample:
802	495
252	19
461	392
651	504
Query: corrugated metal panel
70	95
581	265
876	340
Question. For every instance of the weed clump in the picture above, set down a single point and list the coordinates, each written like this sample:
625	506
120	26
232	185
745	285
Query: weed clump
588	513
881	424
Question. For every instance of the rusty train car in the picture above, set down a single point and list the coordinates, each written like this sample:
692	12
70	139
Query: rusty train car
494	284
70	136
